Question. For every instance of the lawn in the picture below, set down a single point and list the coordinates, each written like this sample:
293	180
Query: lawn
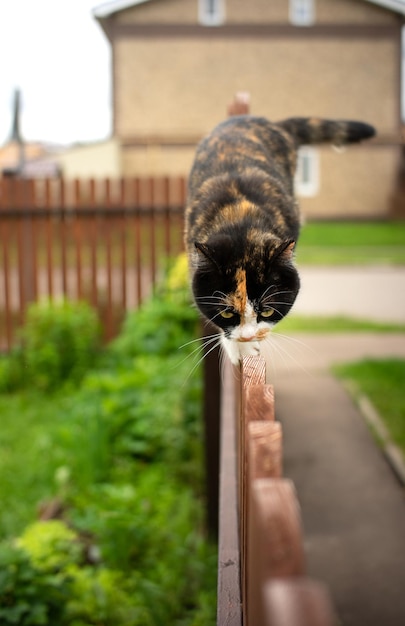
29	456
382	381
344	243
335	324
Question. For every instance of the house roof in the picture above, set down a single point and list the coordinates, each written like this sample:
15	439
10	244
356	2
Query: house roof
108	8
398	6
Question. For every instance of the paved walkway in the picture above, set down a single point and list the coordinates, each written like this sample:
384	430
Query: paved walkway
353	507
376	293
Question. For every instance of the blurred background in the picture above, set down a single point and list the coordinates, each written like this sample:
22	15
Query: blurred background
102	477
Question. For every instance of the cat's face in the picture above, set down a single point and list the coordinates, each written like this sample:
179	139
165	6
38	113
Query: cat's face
246	297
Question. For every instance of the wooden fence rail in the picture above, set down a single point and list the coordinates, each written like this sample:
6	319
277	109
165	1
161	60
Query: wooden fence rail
106	241
261	563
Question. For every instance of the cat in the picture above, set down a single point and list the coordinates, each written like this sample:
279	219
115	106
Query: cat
242	222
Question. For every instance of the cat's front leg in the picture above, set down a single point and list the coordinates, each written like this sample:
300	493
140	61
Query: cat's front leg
248	348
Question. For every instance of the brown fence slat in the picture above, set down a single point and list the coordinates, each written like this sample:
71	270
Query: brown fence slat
48	237
106	241
107	228
7	313
123	242
259	402
274	541
265	450
78	228
267	542
229	609
94	218
63	236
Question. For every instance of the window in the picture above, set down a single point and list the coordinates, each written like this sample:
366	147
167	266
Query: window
211	12
302	12
307	175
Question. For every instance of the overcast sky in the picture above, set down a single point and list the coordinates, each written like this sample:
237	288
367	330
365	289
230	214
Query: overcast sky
59	57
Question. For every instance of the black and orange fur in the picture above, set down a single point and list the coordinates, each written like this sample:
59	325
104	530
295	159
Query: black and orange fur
242	220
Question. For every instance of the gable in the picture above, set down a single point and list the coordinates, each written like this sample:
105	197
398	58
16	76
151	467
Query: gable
117	6
398	6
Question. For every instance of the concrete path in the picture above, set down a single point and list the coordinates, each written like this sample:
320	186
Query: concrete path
376	293
353	507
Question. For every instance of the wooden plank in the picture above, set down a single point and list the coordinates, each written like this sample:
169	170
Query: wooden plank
123	242
4	238
253	371
151	194
259	402
274	542
297	602
93	242
78	236
254	398
229	611
63	236
212	420
264	450
108	224
166	217
138	239
48	237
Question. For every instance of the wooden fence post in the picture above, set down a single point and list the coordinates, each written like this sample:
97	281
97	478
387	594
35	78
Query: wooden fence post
212	419
260	526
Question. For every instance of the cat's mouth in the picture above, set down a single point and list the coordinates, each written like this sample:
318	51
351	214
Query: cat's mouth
259	336
249	339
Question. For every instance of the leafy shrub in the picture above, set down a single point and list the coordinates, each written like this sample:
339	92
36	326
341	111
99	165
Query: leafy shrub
51	545
60	342
128	470
44	581
28	596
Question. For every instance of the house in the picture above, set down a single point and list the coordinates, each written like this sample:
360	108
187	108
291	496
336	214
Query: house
96	159
177	63
101	159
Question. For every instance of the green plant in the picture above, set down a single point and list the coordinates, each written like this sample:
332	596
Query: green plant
28	596
124	457
60	342
51	545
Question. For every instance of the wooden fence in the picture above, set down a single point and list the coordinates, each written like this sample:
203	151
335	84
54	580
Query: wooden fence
105	241
261	564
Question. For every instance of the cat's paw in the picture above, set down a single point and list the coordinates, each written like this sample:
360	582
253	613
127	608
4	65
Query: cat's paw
249	348
236	350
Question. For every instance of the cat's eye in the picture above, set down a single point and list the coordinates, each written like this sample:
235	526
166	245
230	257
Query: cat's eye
226	314
267	313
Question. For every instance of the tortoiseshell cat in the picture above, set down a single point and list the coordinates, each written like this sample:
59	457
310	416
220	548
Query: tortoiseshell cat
242	222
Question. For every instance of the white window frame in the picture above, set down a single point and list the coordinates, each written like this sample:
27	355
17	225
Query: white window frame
211	12
302	12
307	174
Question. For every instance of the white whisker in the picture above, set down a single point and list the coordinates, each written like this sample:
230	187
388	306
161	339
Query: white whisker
197	339
200	360
283	352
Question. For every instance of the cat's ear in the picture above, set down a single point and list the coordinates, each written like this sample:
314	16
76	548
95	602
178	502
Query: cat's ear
286	251
218	251
206	253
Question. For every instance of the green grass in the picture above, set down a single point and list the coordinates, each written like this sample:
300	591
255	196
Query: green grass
345	243
382	381
28	456
335	324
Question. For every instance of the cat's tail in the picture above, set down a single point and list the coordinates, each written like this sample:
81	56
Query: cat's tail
309	130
